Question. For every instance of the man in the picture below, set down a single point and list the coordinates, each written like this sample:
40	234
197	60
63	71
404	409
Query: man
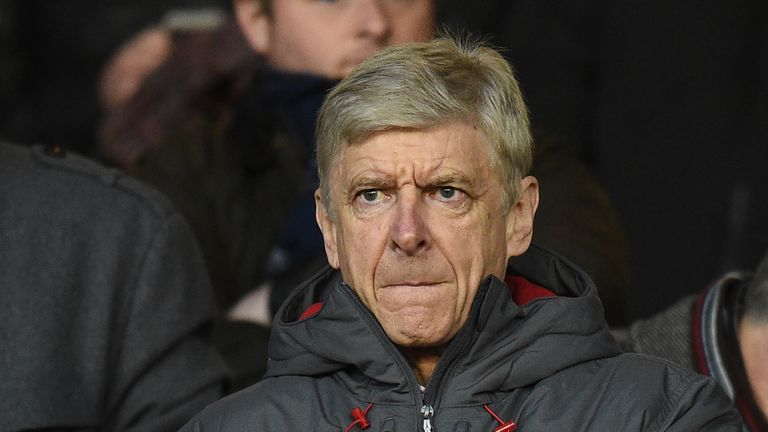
423	155
106	306
722	333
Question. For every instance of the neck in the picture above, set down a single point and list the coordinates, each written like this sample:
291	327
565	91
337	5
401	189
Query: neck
423	361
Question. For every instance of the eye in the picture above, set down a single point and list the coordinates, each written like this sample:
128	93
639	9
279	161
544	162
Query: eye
450	196
447	193
370	195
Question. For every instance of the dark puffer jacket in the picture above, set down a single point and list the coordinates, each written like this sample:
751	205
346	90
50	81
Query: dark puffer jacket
546	364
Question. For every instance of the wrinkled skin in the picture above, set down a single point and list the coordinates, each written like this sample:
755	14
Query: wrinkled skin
419	222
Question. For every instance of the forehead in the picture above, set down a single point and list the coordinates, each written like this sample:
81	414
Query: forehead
451	149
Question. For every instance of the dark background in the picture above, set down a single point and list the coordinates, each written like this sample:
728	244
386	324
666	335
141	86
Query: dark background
665	101
51	53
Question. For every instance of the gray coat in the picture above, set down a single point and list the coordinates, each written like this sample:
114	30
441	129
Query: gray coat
104	301
548	365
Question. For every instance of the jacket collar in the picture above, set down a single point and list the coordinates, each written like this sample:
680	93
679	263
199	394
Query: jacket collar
503	345
716	347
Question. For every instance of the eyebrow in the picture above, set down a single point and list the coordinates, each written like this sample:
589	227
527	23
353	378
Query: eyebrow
452	178
368	181
385	181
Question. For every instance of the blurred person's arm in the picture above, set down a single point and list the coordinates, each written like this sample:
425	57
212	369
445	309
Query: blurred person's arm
165	78
167	369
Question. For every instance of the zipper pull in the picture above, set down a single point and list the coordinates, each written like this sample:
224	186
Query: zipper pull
427	411
505	426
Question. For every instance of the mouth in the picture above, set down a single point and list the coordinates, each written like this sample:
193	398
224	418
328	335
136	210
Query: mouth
410	284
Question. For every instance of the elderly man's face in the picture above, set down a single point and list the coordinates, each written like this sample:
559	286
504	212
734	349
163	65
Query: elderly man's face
419	223
330	38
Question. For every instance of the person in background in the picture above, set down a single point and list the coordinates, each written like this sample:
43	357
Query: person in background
435	314
105	305
127	69
217	167
160	74
723	333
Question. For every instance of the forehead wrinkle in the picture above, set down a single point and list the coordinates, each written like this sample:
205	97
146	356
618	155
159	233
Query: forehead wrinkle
464	172
402	167
420	171
432	173
369	168
452	177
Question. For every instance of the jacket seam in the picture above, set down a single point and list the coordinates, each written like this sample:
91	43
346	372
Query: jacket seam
670	403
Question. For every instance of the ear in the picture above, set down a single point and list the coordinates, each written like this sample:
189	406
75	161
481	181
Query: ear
520	217
328	229
255	24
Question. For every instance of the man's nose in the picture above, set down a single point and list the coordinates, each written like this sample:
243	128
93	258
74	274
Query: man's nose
372	18
409	232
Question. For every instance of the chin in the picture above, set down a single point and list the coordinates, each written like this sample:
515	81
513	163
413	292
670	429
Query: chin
418	326
420	340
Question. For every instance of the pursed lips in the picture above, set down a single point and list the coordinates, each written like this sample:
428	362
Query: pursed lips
410	284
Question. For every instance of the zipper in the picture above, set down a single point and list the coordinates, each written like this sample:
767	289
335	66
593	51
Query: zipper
461	342
429	398
427	412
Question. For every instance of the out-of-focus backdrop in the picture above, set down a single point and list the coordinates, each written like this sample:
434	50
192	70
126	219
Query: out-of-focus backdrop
51	53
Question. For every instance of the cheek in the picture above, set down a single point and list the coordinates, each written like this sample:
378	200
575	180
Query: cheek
475	247
415	24
309	50
361	248
461	241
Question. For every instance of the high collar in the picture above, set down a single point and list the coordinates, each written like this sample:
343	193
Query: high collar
502	345
718	354
277	104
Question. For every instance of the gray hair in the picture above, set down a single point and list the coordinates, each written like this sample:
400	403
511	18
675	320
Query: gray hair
420	85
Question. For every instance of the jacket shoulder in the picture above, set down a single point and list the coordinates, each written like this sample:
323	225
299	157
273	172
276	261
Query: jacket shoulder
82	180
656	394
279	403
